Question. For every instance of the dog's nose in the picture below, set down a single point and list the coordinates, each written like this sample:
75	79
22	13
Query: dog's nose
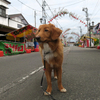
37	38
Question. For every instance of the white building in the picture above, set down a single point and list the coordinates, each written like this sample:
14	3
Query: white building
10	22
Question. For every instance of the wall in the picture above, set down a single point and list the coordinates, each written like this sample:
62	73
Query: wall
11	23
14	24
8	22
3	3
3	21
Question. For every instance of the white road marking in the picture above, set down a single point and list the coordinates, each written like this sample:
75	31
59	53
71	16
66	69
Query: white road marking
68	49
12	84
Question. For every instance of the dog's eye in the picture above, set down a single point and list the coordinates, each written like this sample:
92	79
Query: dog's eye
46	30
38	30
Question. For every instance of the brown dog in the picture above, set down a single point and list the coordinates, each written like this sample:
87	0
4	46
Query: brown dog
48	37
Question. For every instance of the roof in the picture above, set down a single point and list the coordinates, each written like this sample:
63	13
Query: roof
21	17
27	31
7	1
6	29
2	6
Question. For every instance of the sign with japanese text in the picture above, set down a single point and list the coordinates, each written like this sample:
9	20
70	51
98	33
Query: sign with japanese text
11	48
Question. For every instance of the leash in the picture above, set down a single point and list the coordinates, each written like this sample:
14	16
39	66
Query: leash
41	85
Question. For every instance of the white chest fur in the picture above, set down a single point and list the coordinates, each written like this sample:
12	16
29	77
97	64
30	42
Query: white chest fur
46	49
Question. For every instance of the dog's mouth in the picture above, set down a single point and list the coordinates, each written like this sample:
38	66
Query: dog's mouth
38	39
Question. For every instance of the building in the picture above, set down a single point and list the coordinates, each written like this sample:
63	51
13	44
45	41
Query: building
96	31
12	22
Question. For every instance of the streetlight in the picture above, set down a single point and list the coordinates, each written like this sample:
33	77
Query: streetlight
87	19
41	19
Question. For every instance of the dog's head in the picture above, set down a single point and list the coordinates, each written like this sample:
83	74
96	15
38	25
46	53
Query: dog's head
47	32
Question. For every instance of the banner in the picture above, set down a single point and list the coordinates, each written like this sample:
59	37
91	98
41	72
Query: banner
10	48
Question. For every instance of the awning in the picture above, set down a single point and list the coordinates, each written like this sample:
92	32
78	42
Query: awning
84	38
22	32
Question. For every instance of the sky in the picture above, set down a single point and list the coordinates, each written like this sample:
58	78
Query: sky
27	8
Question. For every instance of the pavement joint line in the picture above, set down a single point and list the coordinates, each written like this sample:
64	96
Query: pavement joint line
12	84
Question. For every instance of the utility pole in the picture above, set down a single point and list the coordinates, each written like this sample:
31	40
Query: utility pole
35	18
43	19
80	31
90	30
90	33
87	19
65	40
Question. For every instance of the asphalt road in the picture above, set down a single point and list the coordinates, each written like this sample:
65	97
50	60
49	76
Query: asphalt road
20	76
12	68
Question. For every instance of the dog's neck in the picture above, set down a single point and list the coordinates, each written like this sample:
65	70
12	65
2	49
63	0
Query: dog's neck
46	48
49	47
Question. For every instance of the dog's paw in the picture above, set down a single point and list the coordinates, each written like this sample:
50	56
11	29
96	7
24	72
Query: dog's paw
63	90
47	93
55	77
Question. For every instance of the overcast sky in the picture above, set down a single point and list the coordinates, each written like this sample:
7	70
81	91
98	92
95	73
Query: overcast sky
27	7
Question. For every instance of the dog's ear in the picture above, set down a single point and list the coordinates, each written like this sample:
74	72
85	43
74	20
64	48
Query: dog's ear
55	32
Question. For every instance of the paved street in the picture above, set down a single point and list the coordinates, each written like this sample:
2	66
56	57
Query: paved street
22	73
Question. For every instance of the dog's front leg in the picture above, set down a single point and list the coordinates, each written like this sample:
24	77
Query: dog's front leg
59	75
55	73
48	78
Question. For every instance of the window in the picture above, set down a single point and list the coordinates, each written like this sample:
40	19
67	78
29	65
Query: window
2	12
19	26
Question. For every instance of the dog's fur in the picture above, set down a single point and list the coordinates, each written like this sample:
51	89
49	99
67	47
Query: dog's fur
48	37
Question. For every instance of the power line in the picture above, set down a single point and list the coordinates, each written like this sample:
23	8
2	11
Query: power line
18	10
28	6
60	3
21	11
39	3
94	9
49	9
52	14
70	4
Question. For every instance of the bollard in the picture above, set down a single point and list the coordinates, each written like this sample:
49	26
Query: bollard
1	54
98	47
28	50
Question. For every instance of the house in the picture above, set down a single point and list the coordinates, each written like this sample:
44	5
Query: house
96	31
12	22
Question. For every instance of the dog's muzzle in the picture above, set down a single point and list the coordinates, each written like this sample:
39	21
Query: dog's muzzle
38	38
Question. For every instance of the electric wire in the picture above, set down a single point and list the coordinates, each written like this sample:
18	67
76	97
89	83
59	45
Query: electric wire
53	14
18	10
60	3
28	6
94	9
49	9
70	4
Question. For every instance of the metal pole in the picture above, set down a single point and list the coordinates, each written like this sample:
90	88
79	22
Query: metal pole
43	11
90	33
87	19
80	31
35	18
